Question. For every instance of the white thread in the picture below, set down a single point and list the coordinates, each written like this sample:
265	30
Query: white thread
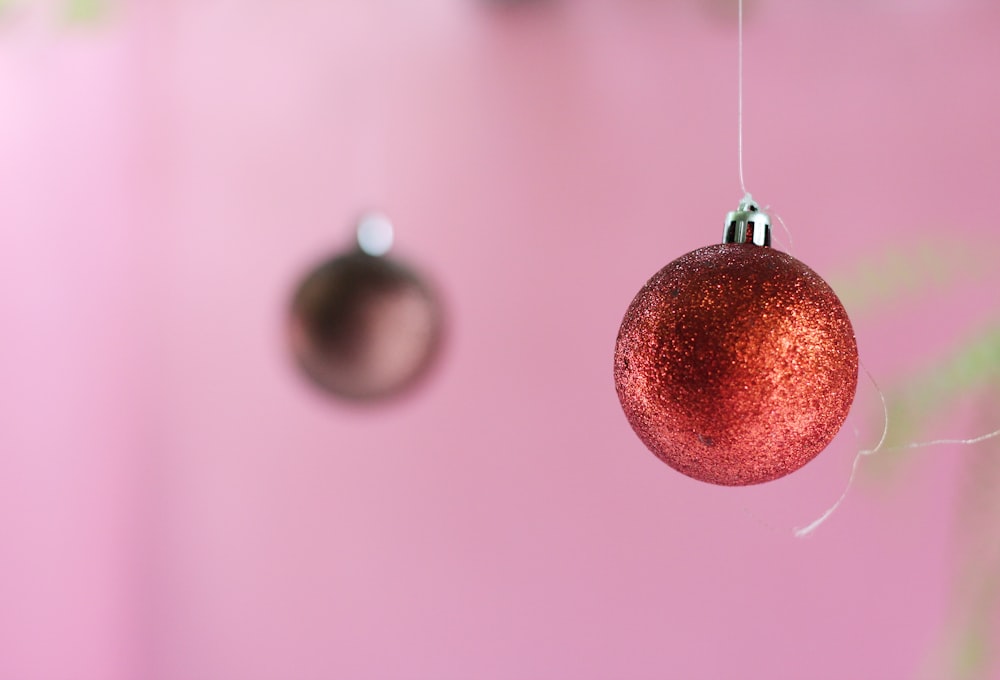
806	530
964	442
739	91
788	232
811	527
784	226
739	124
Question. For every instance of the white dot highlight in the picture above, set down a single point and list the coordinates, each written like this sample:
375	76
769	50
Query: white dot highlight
375	234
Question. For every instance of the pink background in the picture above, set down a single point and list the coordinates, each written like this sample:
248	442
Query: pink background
176	504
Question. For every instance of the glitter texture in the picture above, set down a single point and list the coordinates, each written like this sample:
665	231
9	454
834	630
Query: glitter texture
364	327
736	364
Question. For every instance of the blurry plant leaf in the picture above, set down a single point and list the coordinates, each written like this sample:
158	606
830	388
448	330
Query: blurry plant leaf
878	280
875	283
977	582
966	651
972	653
86	11
924	396
963	656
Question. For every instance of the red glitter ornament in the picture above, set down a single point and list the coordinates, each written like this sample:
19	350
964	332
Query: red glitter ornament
736	364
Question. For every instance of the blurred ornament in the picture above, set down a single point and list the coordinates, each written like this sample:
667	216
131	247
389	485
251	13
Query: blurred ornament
362	326
517	3
736	364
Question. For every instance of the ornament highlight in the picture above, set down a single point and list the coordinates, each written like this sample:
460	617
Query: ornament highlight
736	364
362	326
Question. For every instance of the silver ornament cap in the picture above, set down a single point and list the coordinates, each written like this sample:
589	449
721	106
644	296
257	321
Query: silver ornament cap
747	224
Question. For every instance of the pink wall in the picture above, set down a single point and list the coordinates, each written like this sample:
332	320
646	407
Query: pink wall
72	390
177	504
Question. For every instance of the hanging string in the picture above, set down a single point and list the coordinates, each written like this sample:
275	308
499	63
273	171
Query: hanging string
788	232
811	527
739	90
862	453
808	529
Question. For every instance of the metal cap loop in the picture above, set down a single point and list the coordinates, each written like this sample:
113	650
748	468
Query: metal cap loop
747	224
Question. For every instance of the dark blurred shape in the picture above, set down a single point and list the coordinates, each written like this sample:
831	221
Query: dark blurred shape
727	11
364	327
510	4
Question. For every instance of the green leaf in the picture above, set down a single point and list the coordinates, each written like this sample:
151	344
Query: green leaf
87	11
921	398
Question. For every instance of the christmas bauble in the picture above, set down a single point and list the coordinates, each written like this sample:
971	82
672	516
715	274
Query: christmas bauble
736	364
363	326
